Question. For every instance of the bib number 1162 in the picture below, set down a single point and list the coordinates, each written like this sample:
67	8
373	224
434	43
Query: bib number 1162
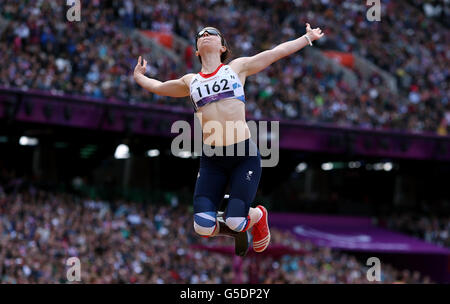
215	87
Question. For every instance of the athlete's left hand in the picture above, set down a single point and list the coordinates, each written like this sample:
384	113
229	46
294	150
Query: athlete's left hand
313	34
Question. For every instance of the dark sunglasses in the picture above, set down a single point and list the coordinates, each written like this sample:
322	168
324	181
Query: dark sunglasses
209	31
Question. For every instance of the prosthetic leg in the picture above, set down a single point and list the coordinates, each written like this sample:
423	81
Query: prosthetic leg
241	239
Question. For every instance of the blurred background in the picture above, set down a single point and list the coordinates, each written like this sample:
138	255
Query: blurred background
85	163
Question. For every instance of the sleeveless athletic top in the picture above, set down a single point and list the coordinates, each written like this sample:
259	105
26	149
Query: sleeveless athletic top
223	83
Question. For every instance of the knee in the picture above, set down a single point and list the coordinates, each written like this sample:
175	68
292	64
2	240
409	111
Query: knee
237	215
237	224
205	223
204	216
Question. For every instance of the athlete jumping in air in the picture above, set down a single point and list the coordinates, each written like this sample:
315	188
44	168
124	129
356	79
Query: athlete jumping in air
217	95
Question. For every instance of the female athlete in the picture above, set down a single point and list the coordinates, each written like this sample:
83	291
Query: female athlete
217	95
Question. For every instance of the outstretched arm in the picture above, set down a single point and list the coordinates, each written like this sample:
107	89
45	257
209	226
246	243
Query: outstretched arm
257	63
172	88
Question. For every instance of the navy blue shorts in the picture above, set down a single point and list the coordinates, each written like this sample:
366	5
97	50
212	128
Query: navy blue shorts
242	173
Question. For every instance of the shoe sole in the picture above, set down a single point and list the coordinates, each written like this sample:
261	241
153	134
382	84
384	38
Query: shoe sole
268	235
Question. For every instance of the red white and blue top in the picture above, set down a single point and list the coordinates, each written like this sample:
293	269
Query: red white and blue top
221	84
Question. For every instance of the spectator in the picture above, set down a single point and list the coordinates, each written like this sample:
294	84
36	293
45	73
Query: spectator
126	242
95	57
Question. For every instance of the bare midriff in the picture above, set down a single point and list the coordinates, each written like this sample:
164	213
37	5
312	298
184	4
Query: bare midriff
223	122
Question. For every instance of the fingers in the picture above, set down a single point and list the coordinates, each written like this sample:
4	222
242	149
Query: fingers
317	31
142	62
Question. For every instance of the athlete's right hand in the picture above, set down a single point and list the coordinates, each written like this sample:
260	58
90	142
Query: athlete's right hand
140	67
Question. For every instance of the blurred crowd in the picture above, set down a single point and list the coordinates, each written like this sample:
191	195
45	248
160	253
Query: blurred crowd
96	56
128	242
321	265
437	9
432	229
93	58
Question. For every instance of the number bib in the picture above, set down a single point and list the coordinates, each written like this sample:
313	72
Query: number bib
222	84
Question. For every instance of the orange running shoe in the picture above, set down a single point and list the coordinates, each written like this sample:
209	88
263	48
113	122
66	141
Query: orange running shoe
261	232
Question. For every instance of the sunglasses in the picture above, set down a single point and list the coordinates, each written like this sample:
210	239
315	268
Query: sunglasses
209	31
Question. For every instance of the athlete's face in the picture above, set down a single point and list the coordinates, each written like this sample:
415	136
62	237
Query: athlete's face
210	39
